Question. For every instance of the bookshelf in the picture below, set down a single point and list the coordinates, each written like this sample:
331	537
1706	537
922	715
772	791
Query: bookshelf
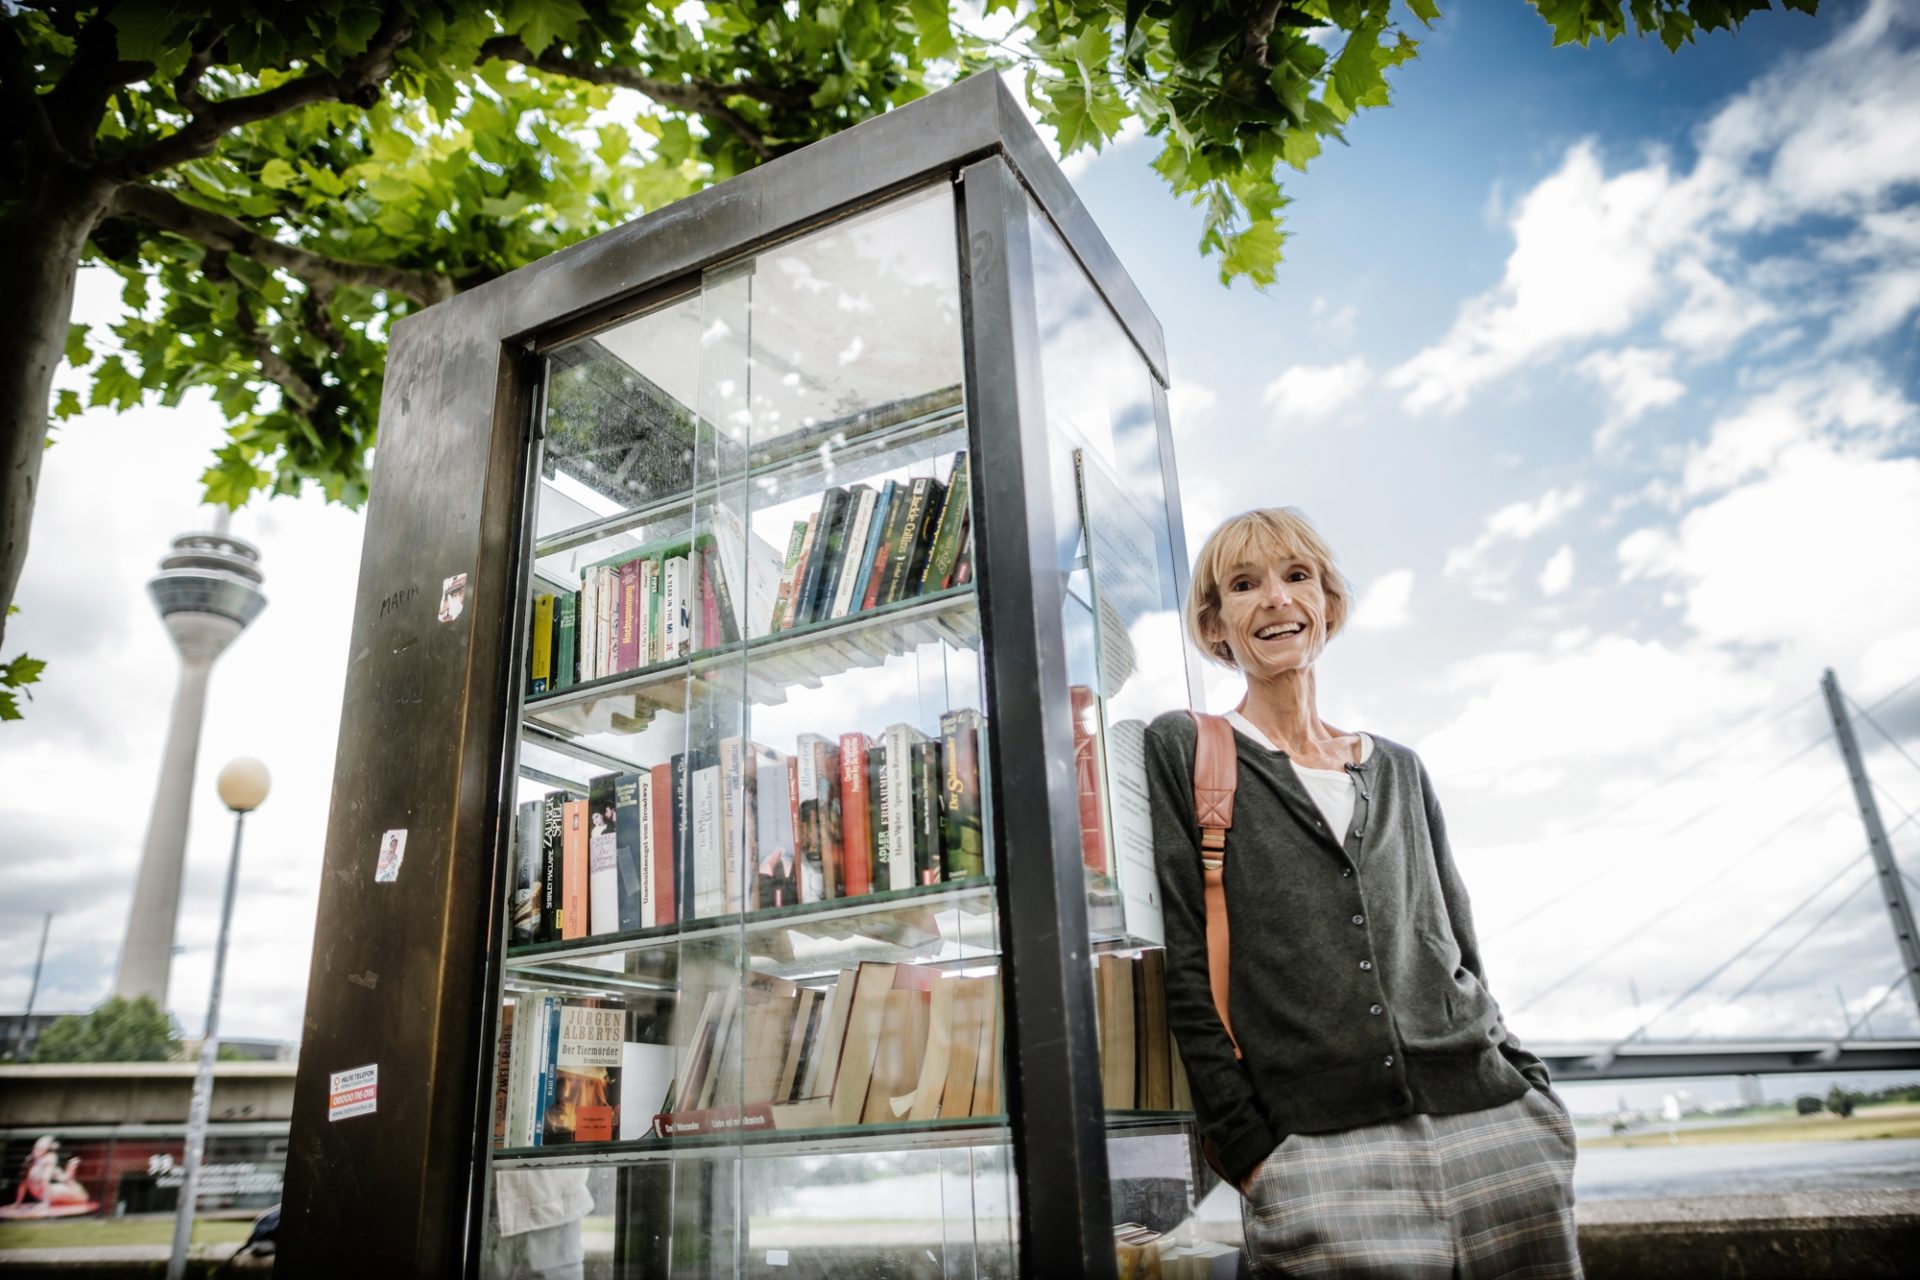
809	530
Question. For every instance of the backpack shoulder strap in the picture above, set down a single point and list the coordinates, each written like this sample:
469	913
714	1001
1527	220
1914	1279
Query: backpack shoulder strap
1216	773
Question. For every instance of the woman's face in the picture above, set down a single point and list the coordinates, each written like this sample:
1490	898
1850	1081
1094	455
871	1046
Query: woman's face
1273	617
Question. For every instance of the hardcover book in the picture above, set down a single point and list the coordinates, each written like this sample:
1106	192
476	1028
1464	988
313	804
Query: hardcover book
628	658
540	665
791	616
661	834
856	816
951	529
775	881
676	609
876	534
553	828
897	803
566	633
963	836
928	867
573	872
795	539
828	538
527	898
704	800
836	590
629	814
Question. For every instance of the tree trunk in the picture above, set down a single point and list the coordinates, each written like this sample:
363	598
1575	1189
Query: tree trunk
40	249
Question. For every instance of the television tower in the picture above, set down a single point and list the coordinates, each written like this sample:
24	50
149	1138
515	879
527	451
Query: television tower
207	591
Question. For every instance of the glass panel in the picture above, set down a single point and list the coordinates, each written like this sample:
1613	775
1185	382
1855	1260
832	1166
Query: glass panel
1126	658
768	722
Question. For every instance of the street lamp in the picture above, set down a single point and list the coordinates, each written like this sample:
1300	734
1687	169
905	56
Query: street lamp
243	786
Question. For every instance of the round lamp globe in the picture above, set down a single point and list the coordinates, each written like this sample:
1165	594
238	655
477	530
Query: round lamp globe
243	784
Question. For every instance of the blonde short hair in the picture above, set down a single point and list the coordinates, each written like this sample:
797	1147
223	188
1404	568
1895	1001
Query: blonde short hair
1259	537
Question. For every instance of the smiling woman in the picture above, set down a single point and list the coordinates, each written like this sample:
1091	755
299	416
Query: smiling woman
1352	1075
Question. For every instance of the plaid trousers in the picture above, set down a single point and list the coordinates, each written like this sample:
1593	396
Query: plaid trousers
1477	1195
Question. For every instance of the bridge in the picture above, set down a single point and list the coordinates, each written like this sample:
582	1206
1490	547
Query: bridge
1639	1055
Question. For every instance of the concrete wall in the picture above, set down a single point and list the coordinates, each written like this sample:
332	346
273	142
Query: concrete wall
59	1095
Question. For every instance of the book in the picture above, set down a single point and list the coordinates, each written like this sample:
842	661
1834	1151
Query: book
549	1048
646	1073
866	1016
1150	1020
963	566
936	1058
676	609
987	1097
631	910
944	550
503	1075
896	1059
750	573
963	834
540	662
606	597
923	539
852	544
963	1047
628	656
810	832
706	853
585	1084
877	833
527	899
795	539
806	1018
520	1070
824	1060
706	625
1114	1002
897	803
876	532
574	870
791	617
603	859
566	632
586	622
683	764
753	1117
901	516
775	876
928	867
903	546
552	859
856	816
829	533
656	846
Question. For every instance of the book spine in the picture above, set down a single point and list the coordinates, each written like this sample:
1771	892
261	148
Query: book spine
659	818
856	835
963	566
725	598
883	550
628	657
650	617
583	636
963	840
733	819
709	887
927	865
682	839
573	918
900	545
795	538
603	854
845	562
808	846
877	816
826	781
820	563
629	823
607	605
876	530
568	631
552	858
792	617
676	610
923	539
550	1082
899	804
946	538
540	664
527	900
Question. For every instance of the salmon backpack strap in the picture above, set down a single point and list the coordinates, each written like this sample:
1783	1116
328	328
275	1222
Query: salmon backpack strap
1216	772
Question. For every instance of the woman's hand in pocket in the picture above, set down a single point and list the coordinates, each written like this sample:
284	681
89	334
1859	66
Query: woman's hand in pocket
1246	1186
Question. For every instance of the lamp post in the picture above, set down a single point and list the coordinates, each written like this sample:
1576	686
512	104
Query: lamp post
243	785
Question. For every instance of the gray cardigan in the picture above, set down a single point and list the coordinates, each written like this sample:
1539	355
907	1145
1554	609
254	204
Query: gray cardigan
1354	979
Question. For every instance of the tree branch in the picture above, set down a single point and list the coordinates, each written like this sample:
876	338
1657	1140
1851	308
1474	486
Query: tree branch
298	391
77	102
703	99
186	88
1260	31
161	209
359	84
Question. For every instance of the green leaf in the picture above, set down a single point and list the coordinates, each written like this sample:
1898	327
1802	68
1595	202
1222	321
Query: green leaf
541	22
278	174
935	27
77	352
67	404
1426	10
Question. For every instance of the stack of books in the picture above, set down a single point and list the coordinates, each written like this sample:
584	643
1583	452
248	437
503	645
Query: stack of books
747	828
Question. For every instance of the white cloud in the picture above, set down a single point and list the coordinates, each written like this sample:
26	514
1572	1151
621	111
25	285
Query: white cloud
1846	402
1308	393
1477	563
1834	134
1557	575
1636	380
1383	606
1337	321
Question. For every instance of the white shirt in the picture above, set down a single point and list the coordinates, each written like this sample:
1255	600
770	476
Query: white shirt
1332	789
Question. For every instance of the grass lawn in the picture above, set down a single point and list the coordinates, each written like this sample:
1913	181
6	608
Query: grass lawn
1891	1120
87	1233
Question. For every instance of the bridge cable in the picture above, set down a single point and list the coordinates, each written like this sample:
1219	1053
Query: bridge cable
1674	906
1885	698
1653	845
1894	985
1793	946
1741	954
1891	740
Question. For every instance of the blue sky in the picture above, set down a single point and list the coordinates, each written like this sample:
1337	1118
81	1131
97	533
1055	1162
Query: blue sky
1596	366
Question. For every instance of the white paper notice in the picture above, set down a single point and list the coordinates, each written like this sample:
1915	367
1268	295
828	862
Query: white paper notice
393	851
1133	828
353	1093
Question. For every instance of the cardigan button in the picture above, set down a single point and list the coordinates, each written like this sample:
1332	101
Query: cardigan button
1376	1011
1359	919
1346	872
1389	1061
1366	966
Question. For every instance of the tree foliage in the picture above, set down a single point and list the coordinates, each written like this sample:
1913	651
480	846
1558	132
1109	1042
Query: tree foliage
276	184
117	1030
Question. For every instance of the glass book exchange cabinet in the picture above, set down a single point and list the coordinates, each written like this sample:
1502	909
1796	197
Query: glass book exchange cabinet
739	860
